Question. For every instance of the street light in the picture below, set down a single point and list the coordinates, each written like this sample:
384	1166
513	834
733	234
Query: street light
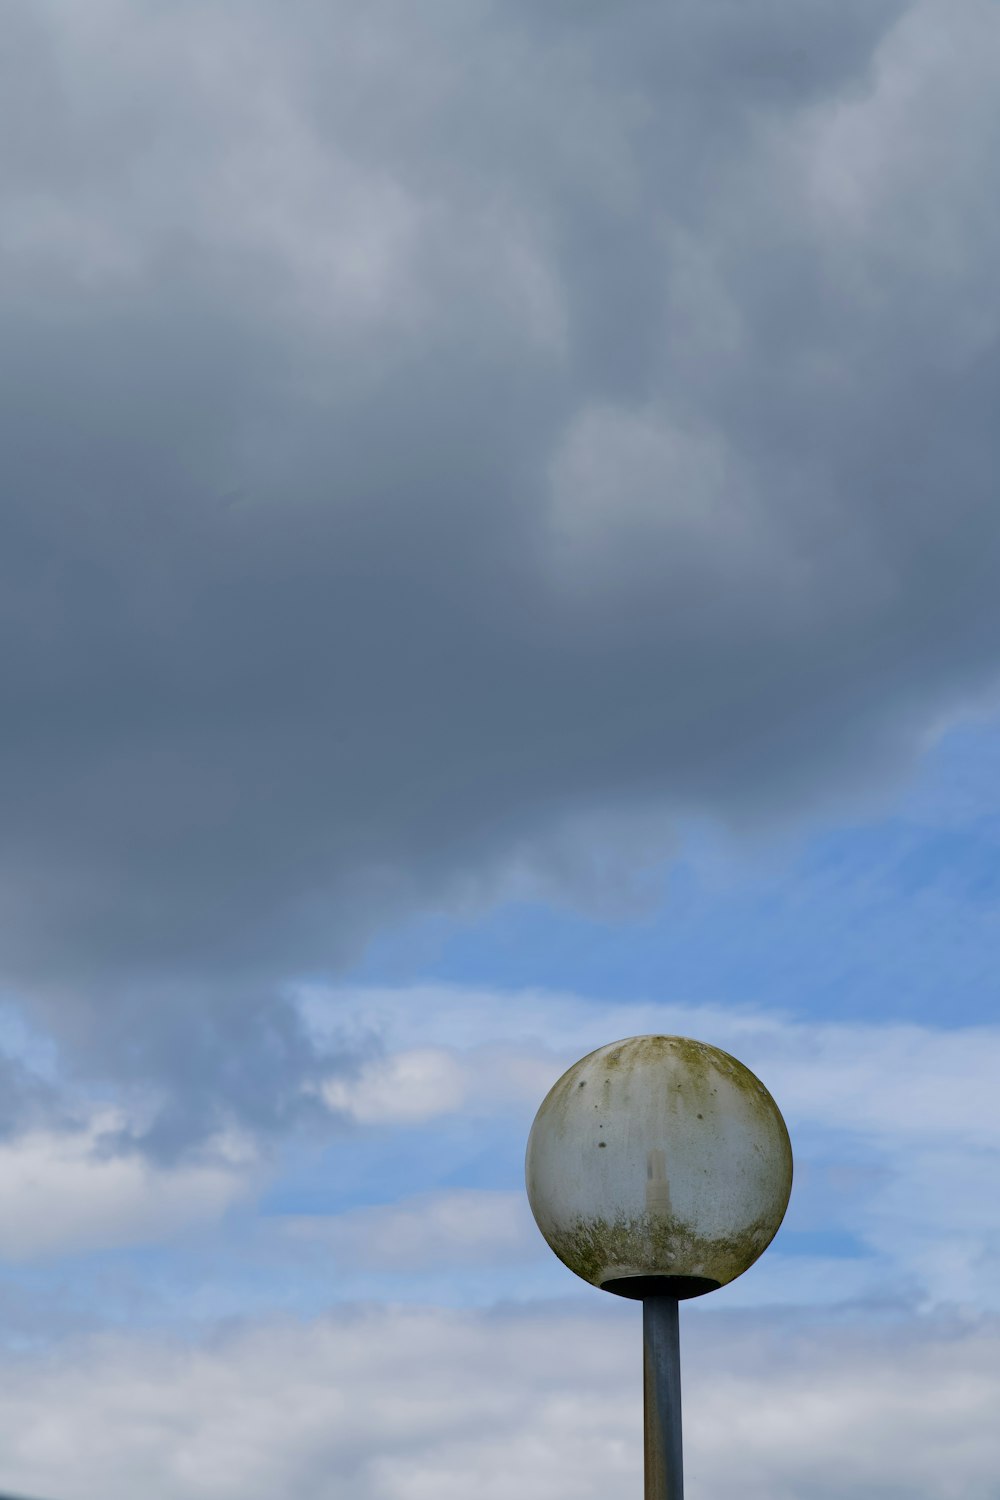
659	1168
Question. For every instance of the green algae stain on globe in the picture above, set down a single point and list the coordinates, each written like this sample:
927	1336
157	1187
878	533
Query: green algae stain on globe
691	1179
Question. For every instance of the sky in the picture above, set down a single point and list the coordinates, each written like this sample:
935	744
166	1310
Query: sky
498	549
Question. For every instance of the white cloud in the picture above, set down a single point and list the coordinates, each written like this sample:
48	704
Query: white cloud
891	1411
883	1080
429	1232
423	1083
403	1087
60	1192
425	1405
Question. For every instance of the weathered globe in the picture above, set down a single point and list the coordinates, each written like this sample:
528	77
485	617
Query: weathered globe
658	1165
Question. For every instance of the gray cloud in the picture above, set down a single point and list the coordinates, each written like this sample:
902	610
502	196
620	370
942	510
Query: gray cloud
425	431
25	1098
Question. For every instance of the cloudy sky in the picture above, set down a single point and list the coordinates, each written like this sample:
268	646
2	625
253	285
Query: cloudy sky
499	541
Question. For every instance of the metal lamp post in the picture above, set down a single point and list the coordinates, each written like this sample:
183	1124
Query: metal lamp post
659	1168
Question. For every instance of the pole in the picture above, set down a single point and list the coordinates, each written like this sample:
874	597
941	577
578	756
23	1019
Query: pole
661	1350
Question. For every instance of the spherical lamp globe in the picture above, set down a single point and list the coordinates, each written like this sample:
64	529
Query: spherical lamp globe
658	1165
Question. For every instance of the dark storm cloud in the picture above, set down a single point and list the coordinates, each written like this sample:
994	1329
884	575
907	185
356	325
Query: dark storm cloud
425	428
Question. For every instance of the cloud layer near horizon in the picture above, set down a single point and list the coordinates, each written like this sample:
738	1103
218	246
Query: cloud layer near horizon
418	1404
